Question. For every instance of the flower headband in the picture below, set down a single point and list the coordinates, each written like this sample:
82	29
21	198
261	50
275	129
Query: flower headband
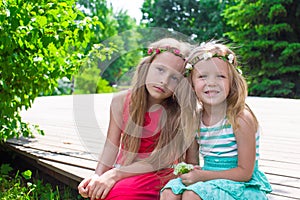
159	50
207	55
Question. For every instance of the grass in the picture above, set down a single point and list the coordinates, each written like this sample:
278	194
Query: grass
19	181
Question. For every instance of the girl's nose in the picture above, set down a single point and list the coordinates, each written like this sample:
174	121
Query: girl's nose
211	82
164	80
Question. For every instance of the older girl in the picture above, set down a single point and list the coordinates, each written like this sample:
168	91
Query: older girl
150	128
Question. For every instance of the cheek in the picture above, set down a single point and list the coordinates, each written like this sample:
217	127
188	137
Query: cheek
199	84
227	86
197	88
151	77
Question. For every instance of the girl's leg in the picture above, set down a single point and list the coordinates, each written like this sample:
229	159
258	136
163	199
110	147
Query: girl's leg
190	195
167	194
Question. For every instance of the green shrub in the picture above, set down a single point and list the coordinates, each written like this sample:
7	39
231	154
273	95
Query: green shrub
24	187
40	42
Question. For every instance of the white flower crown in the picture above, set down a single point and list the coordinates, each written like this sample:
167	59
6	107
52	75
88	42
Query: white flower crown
207	55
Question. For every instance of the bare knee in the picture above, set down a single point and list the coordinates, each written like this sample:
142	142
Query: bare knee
167	194
188	195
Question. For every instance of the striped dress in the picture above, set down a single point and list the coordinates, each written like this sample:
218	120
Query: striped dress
219	140
218	149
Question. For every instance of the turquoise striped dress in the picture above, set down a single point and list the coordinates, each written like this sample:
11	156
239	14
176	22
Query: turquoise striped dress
218	148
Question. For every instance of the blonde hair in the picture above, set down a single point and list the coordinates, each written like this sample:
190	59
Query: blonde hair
236	99
178	127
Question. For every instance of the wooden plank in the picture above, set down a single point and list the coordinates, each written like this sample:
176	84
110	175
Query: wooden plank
276	197
67	174
72	172
59	158
283	180
290	192
285	169
56	144
76	126
280	158
78	150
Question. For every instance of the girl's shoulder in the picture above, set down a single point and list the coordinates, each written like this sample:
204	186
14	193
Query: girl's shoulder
119	99
118	96
247	120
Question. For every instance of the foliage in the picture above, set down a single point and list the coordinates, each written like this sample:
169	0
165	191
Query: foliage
107	23
88	79
41	41
111	31
64	87
269	37
200	20
127	43
25	187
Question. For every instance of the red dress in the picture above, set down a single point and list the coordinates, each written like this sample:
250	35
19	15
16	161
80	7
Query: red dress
145	186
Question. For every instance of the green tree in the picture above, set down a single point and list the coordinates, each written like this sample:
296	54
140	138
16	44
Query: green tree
88	80
107	22
40	42
115	30
127	43
268	33
200	20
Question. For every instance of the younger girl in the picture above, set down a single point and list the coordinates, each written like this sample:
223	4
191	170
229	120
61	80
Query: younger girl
228	136
150	127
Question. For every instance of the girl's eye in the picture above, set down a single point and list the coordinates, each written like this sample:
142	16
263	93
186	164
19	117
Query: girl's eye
202	76
175	78
221	76
160	69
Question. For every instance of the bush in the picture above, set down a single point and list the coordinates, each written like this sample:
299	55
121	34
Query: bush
40	43
23	186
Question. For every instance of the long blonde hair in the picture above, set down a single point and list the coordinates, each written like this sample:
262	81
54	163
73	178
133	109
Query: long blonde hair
236	99
177	119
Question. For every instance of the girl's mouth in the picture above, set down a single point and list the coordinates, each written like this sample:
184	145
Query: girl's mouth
211	92
160	89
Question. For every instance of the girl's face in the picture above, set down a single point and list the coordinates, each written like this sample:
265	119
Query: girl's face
164	74
211	81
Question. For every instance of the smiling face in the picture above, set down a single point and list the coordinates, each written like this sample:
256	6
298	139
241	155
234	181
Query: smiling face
164	74
211	81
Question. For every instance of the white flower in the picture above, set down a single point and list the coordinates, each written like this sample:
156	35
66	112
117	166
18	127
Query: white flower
207	55
79	55
202	44
239	70
37	59
7	13
183	168
230	58
189	66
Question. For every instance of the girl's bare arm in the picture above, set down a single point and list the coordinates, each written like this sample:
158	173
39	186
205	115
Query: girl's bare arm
192	154
112	143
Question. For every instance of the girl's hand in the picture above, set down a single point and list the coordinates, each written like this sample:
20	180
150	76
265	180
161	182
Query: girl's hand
182	168
82	187
99	186
192	176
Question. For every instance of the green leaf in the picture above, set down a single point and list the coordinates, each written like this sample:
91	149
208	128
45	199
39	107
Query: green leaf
27	174
41	20
5	169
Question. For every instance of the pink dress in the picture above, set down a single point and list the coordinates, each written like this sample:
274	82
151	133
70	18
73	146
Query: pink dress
145	186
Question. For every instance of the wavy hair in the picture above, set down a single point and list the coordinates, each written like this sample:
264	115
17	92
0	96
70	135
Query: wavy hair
177	126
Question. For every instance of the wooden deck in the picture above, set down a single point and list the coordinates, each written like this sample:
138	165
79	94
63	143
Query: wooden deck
75	129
